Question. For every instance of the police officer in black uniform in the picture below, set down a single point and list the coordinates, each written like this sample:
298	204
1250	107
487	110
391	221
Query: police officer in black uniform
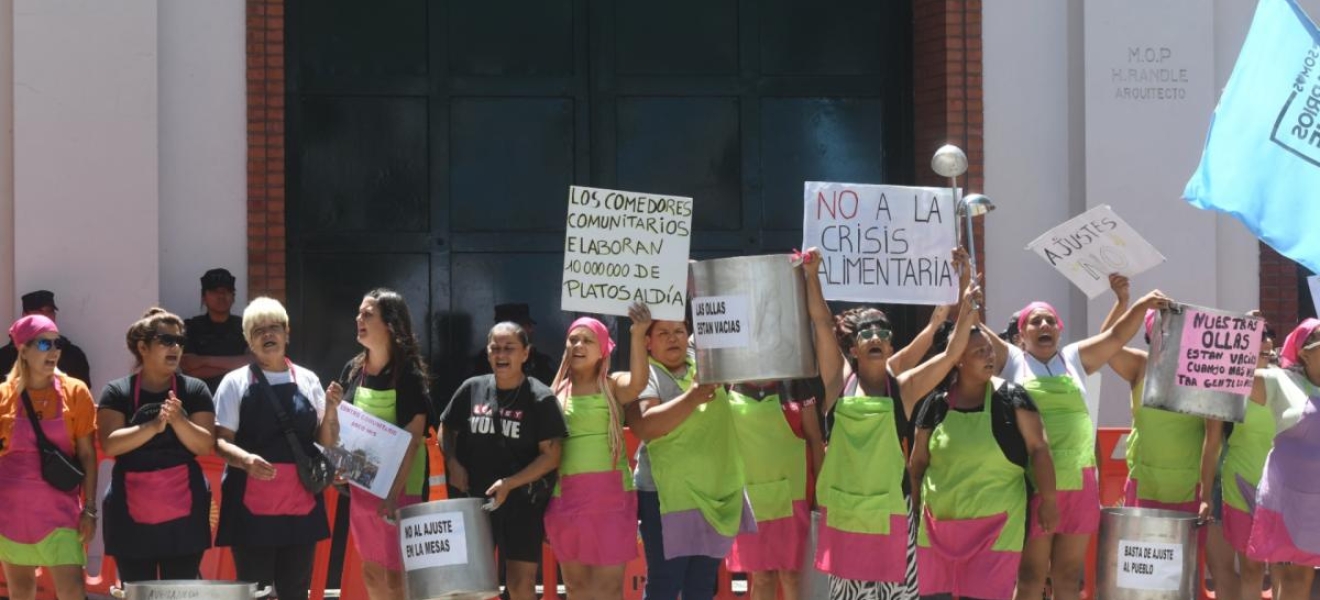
215	343
73	361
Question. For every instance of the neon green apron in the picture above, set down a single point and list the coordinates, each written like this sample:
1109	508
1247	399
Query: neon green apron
970	478
861	482
1166	462
587	447
382	404
1067	425
773	456
697	466
1245	456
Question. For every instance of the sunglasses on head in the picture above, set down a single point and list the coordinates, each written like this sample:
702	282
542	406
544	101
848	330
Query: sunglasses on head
879	333
170	340
46	345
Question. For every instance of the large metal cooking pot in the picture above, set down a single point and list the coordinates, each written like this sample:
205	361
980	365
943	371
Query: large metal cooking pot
448	551
184	589
1146	554
1161	389
778	342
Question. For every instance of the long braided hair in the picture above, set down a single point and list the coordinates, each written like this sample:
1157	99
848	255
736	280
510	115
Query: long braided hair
563	382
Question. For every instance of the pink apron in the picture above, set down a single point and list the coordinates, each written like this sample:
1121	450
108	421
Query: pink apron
33	509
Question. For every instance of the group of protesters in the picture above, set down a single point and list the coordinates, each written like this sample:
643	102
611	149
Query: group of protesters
960	465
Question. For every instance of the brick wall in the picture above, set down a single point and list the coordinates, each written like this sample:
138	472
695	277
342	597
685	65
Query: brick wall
1278	291
265	134
946	77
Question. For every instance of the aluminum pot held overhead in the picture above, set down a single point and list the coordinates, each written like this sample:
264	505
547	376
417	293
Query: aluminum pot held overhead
183	589
1161	390
778	341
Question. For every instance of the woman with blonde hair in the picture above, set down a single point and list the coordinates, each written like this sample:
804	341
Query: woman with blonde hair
591	521
268	516
43	525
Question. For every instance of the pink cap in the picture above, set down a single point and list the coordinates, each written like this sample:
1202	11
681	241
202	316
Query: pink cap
600	331
1026	311
28	328
1292	345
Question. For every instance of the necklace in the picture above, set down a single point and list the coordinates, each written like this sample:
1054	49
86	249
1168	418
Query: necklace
507	400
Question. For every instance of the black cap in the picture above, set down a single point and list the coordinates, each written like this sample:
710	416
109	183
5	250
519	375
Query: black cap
516	313
35	301
1011	330
217	278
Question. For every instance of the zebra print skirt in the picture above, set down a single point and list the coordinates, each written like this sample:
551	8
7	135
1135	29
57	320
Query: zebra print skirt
851	589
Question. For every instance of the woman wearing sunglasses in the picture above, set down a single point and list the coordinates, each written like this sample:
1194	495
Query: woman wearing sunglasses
156	423
1284	528
267	515
867	535
1054	375
41	525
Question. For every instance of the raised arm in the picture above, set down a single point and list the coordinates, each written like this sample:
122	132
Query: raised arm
627	386
910	356
1121	287
916	383
828	355
1098	349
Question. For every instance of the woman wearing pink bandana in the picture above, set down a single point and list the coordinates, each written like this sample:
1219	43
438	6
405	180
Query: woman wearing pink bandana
1054	378
591	521
43	526
1284	530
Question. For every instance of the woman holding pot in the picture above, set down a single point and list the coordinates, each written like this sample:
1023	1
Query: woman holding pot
867	535
156	423
268	516
1284	528
42	525
975	441
780	441
690	479
591	521
387	380
502	436
1054	376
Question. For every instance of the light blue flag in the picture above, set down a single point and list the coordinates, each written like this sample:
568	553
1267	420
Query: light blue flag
1261	161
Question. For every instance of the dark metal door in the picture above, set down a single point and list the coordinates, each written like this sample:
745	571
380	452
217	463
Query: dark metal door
431	144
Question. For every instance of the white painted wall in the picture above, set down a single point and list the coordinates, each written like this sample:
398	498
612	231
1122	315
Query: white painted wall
203	148
1039	173
86	167
8	296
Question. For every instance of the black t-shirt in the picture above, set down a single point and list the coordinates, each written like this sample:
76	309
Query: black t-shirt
166	447
491	445
208	338
1004	402
73	361
410	397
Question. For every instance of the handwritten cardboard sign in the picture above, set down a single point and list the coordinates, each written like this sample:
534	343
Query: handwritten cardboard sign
1152	566
434	540
1219	352
882	243
722	322
1090	246
622	247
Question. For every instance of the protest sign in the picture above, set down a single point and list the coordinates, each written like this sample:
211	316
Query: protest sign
882	243
1090	246
722	322
1151	566
1219	352
433	540
623	247
370	450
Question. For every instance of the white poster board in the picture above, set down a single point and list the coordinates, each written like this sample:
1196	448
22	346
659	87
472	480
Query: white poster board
434	540
722	322
370	450
882	243
622	247
1151	566
1090	246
